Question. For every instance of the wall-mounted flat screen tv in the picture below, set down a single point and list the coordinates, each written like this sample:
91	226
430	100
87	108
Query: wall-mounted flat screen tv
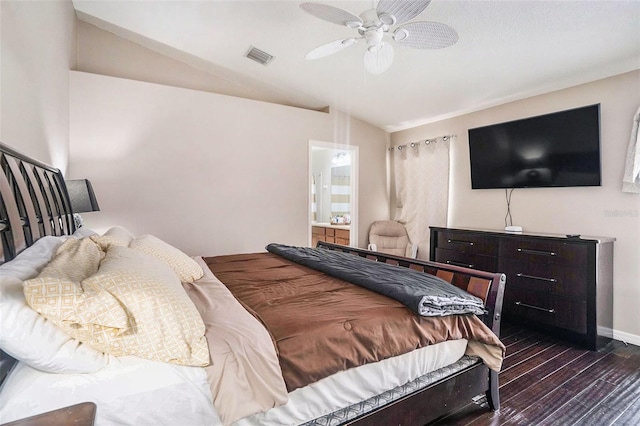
554	150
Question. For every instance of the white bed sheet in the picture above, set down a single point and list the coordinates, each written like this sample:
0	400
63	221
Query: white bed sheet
134	391
129	391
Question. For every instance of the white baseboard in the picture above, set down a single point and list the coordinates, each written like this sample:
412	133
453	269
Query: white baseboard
619	335
605	331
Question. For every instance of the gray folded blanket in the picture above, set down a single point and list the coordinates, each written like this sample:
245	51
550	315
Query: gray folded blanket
424	294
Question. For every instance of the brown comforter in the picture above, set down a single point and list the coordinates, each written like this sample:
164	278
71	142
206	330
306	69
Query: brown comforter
321	325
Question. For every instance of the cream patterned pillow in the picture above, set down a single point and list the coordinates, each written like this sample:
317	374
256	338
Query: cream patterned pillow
133	305
75	260
185	267
58	294
30	337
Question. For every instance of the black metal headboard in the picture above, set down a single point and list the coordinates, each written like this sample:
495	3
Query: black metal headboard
33	203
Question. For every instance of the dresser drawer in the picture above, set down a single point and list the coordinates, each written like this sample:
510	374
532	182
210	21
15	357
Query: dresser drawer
545	308
555	279
473	261
543	251
468	243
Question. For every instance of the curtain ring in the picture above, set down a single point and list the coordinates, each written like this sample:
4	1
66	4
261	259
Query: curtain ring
445	138
427	141
400	148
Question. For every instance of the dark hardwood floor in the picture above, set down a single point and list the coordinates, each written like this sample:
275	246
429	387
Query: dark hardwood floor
546	381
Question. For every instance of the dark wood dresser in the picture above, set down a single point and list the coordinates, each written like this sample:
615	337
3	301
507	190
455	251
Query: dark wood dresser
558	284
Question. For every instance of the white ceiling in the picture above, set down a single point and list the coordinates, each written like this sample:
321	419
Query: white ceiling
507	50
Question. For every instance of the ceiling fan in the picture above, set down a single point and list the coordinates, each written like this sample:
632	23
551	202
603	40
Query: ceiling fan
374	26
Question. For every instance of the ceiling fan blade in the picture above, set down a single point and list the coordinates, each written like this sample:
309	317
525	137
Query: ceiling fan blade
402	10
330	48
377	61
332	14
425	35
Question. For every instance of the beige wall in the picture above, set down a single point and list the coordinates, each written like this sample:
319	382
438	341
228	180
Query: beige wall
210	173
37	50
599	211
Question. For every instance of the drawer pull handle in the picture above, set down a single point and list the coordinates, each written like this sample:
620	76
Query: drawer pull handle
537	252
533	277
551	311
464	265
467	243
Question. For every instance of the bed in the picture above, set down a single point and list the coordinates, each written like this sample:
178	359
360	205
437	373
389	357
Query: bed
245	357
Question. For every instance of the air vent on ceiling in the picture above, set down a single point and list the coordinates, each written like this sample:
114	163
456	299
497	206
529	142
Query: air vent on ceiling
259	56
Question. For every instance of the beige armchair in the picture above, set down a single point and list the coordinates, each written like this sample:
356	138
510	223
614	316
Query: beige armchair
390	236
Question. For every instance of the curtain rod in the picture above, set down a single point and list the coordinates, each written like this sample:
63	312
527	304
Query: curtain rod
425	141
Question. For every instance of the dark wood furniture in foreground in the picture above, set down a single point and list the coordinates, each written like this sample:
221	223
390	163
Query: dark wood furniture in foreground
560	284
82	414
548	381
450	393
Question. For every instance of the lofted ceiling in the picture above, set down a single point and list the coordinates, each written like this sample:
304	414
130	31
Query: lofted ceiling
507	50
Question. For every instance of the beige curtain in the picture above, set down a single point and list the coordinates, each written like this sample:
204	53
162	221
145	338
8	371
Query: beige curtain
421	175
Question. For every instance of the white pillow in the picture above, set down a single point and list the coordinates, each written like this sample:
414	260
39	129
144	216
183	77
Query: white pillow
28	336
120	233
185	267
115	236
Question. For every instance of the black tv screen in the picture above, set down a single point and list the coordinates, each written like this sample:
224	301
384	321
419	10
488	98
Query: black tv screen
553	150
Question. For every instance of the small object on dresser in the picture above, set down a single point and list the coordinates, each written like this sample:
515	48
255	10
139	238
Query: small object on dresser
513	229
574	236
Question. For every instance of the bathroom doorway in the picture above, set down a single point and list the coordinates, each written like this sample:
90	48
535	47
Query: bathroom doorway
333	197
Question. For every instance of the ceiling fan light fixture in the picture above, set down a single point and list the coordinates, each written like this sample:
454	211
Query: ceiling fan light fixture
373	24
374	36
379	60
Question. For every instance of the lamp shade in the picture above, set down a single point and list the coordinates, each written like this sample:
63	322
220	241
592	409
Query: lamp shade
82	197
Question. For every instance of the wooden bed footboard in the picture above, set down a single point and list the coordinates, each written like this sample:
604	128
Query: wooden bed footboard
488	286
452	393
